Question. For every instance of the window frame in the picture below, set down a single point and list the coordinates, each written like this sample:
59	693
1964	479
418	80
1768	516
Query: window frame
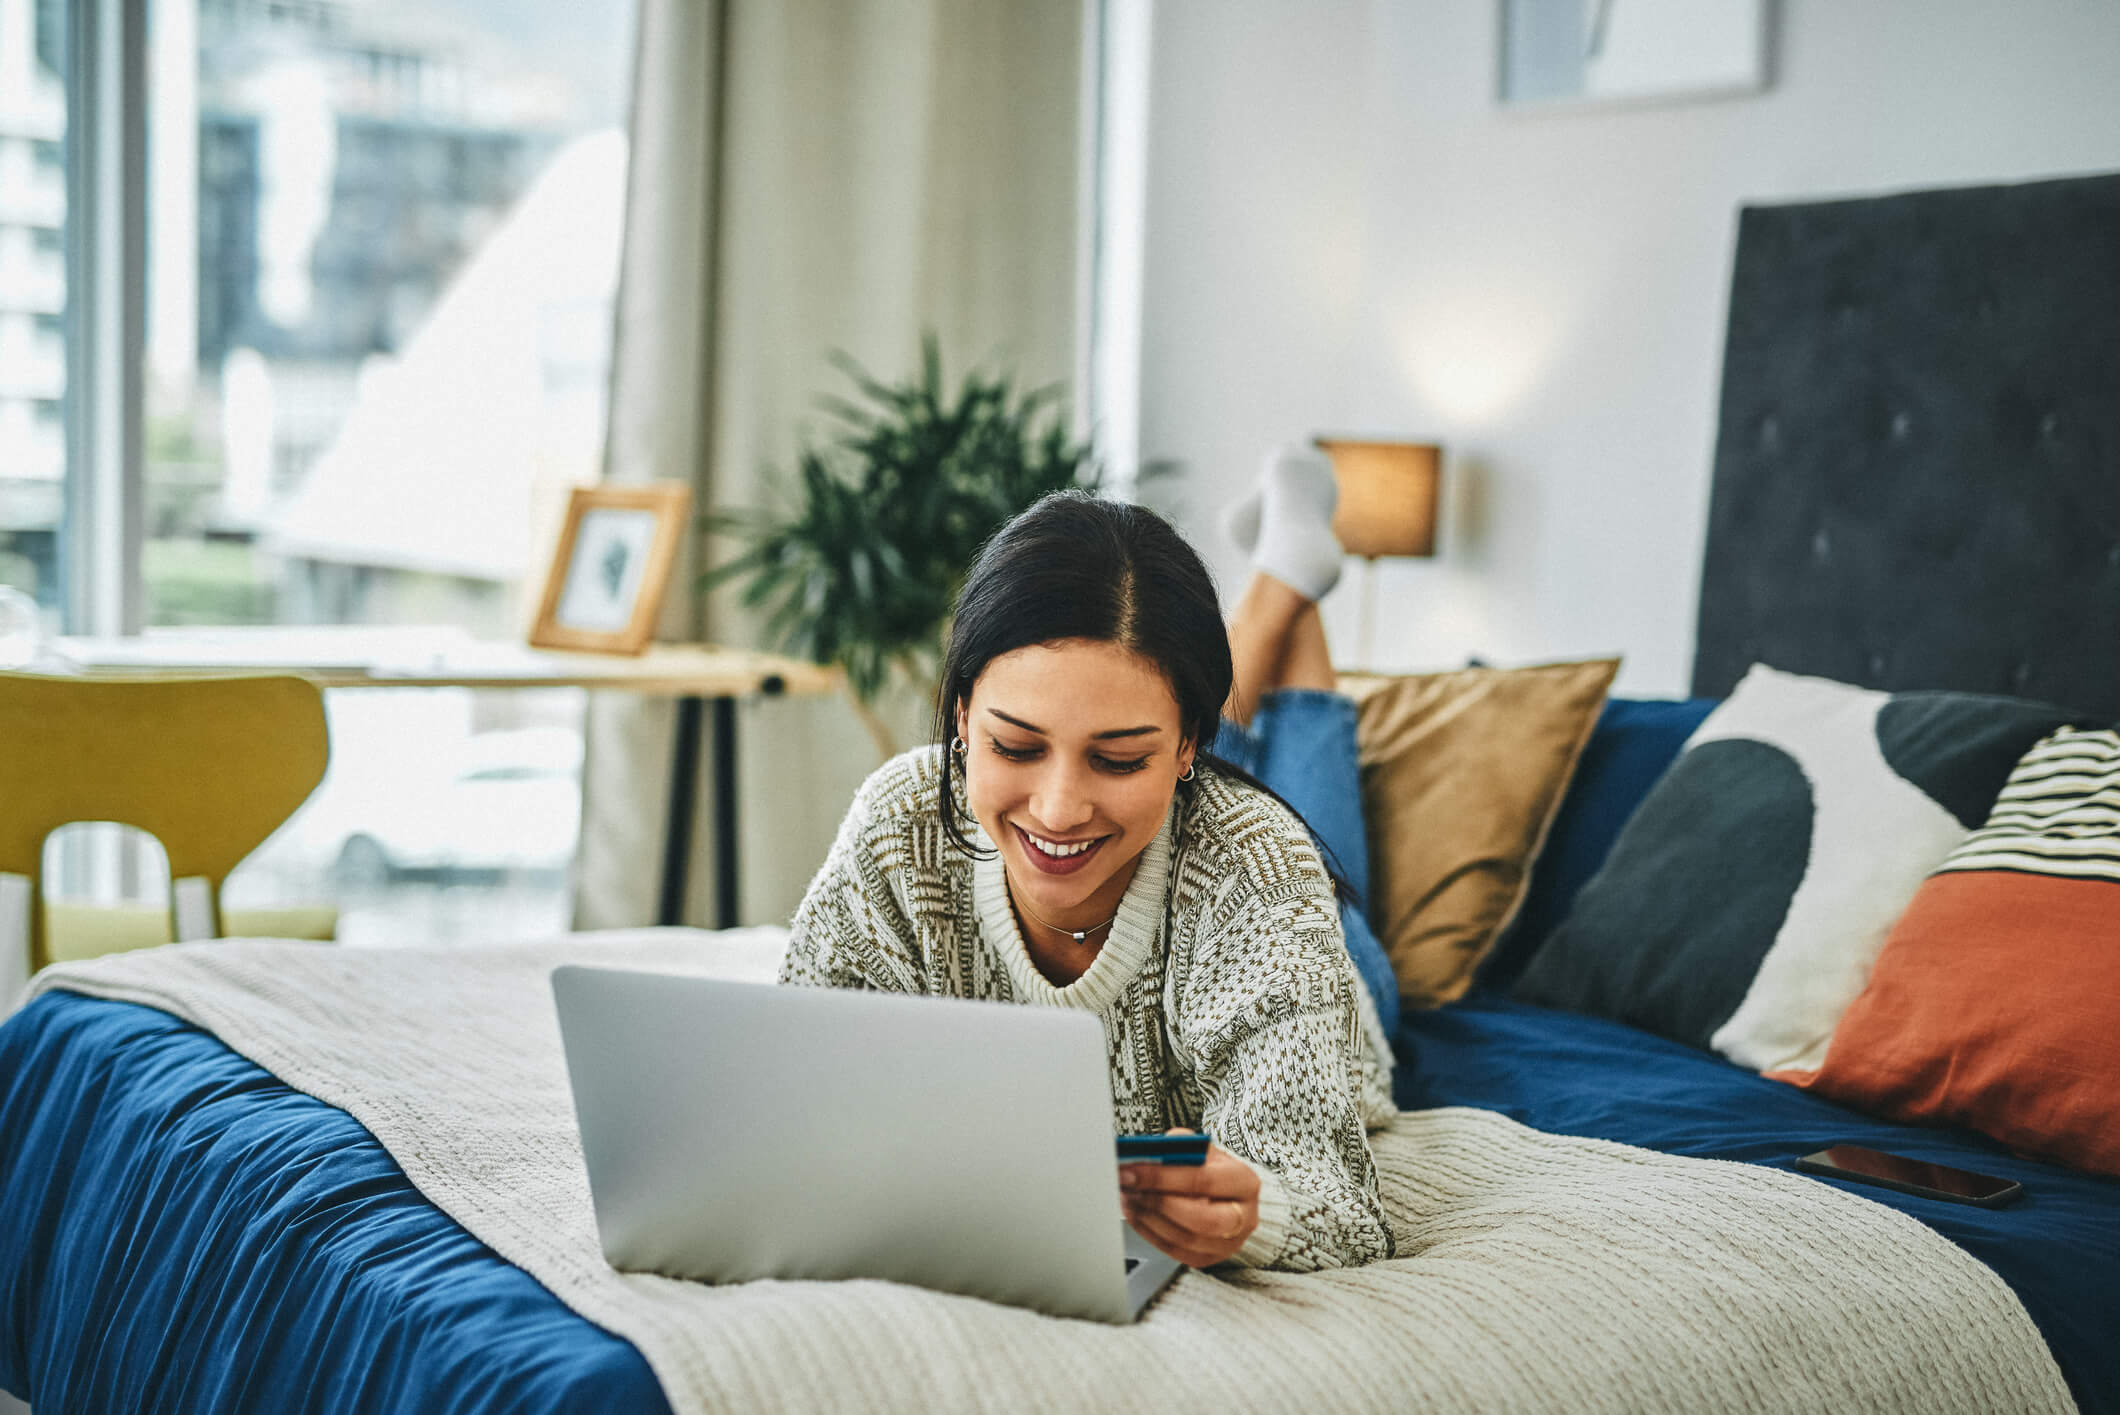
105	151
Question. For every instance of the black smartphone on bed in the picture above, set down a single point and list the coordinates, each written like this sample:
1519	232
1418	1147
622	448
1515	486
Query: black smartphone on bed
1910	1176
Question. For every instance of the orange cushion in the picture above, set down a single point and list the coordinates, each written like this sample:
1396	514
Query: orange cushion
1995	1005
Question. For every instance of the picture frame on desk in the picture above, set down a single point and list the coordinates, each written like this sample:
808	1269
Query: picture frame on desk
610	568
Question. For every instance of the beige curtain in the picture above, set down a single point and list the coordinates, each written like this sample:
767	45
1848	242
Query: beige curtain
810	175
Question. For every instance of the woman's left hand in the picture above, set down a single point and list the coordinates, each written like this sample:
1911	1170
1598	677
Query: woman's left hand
1199	1214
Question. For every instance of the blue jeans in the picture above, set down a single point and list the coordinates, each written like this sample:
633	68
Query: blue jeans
1301	743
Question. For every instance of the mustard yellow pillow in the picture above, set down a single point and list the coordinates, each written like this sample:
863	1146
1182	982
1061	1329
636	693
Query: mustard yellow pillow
1461	775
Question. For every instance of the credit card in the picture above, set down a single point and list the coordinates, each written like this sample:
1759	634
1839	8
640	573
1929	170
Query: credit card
1163	1149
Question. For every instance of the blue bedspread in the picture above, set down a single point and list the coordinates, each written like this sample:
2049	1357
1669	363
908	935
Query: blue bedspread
2058	1247
180	1231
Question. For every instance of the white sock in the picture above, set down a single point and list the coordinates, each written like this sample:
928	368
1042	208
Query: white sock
1296	545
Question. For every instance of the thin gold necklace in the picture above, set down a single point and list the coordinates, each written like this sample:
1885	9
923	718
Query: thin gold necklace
1078	936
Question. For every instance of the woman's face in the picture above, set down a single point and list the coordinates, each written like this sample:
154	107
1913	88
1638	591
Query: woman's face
1072	751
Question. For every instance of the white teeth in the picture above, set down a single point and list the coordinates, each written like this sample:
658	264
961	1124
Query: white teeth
1057	851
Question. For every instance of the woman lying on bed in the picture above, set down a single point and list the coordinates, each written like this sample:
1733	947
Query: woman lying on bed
1078	844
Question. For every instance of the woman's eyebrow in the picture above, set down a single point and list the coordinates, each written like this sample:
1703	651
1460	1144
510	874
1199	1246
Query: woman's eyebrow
1095	736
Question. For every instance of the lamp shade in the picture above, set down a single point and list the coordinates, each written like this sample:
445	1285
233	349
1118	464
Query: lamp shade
1388	495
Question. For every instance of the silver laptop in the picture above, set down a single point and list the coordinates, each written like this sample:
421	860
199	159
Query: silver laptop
739	1130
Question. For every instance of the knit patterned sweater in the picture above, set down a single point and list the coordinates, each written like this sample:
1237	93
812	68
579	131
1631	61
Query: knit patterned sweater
1228	1000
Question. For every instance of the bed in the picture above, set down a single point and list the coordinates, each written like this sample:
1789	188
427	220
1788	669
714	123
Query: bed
197	1212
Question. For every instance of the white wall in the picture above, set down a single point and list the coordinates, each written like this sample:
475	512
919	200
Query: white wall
1346	234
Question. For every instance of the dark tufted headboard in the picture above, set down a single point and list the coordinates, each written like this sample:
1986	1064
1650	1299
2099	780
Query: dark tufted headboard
1917	473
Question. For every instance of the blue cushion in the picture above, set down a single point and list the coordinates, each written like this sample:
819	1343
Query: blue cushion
1634	741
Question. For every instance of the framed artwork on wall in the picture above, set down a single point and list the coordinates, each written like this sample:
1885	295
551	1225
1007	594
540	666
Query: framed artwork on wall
1571	52
610	568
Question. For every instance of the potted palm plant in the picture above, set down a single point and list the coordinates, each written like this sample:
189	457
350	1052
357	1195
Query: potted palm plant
885	514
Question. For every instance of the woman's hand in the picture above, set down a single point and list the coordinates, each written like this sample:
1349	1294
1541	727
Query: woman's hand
1200	1215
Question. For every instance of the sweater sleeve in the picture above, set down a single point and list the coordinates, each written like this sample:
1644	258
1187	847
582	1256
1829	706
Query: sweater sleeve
852	929
1270	1014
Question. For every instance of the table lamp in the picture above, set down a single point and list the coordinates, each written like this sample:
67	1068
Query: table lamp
1389	493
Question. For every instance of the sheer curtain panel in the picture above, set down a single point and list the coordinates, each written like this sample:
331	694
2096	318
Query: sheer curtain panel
812	175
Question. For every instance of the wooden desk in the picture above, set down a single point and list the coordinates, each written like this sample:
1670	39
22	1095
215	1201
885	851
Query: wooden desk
364	657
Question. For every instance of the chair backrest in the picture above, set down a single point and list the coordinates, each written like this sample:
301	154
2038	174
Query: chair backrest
208	766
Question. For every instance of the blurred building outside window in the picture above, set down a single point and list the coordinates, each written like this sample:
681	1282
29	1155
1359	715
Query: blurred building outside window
32	296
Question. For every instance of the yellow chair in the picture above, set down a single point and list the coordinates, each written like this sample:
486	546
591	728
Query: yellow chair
208	766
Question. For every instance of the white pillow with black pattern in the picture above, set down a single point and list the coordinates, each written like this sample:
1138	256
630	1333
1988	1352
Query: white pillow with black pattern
1742	906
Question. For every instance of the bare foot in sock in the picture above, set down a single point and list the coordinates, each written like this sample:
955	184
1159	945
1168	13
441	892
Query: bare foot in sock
1295	543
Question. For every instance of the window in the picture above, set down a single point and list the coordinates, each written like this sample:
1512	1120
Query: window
360	220
32	298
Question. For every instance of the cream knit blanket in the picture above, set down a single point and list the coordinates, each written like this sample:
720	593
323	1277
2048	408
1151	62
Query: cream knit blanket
1536	1272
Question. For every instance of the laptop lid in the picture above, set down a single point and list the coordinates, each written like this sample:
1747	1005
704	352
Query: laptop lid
736	1131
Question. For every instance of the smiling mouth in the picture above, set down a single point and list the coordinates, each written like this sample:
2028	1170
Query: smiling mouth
1058	857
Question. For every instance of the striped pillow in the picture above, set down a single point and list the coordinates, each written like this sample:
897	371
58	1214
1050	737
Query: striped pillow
2059	814
1996	1001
